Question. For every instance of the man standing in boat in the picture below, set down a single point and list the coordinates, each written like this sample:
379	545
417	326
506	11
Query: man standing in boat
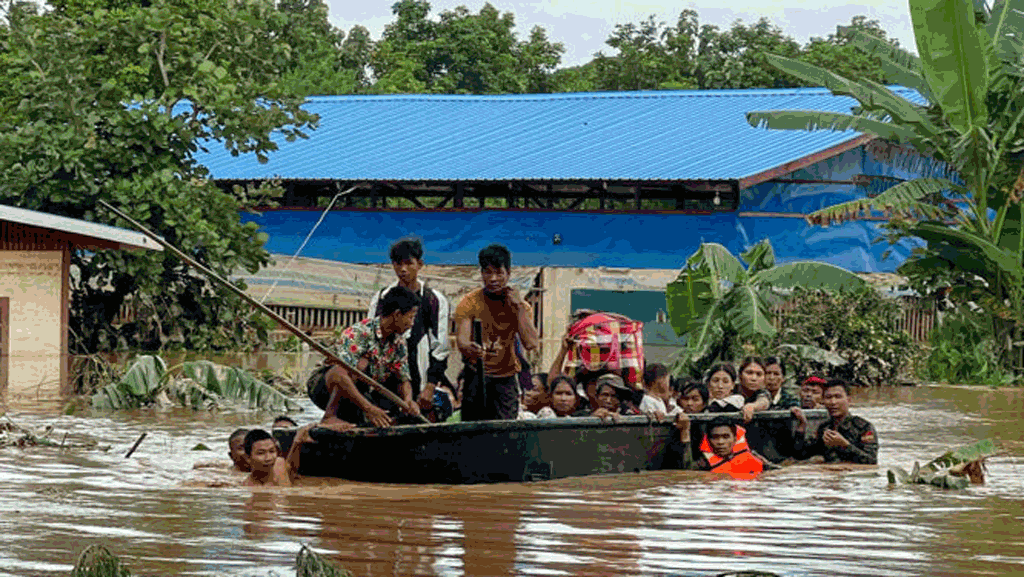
427	341
504	315
375	346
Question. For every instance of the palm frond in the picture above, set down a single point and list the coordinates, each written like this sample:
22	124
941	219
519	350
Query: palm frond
875	46
870	95
818	120
1006	28
911	200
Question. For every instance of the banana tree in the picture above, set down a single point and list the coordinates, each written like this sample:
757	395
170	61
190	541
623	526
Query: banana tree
717	303
967	208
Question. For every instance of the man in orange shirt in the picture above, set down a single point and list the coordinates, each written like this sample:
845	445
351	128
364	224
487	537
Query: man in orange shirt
504	317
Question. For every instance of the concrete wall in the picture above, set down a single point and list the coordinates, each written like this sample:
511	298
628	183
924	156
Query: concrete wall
32	280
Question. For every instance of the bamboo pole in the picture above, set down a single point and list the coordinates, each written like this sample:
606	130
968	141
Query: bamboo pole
326	352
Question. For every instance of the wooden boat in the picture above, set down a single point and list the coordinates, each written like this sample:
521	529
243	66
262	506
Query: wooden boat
518	451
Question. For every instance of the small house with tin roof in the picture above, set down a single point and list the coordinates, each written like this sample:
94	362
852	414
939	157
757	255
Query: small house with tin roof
602	194
35	261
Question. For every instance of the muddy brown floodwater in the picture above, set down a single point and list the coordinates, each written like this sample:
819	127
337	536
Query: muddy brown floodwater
162	517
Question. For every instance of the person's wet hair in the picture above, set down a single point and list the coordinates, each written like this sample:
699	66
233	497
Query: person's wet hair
406	249
543	378
254	436
237	433
495	255
399	299
285	419
722	422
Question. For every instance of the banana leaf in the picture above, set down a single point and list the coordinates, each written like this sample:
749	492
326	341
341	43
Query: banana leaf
138	385
965	454
952	58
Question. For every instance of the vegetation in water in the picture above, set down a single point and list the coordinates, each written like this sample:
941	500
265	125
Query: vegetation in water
98	561
967	138
848	334
962	351
193	384
955	469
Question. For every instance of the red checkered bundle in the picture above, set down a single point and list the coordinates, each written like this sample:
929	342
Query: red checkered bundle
607	341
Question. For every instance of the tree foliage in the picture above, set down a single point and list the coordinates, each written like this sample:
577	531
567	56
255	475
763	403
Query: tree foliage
113	103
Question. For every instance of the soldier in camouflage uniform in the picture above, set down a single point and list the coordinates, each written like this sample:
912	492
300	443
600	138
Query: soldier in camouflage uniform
846	439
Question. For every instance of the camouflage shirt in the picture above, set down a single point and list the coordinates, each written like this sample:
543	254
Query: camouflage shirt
859	432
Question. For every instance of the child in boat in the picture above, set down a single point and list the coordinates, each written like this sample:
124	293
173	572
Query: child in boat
694	397
726	451
810	392
268	468
657	399
721	386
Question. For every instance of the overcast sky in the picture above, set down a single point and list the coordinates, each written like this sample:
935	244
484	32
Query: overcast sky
583	25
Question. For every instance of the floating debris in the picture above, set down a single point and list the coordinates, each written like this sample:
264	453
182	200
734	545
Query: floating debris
956	469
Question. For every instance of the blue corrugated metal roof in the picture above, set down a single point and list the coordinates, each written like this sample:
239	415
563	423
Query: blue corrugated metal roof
654	135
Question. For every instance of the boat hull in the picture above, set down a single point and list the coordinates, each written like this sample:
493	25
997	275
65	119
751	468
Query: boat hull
516	451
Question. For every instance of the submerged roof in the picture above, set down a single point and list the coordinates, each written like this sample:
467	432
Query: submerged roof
631	136
89	234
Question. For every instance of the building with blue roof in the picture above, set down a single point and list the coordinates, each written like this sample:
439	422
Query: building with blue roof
631	180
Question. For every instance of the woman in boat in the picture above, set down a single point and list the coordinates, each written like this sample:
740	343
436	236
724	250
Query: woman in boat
721	385
751	387
613	398
536	401
565	401
774	375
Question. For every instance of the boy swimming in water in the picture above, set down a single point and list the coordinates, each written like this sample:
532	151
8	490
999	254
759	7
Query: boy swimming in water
726	456
236	450
268	468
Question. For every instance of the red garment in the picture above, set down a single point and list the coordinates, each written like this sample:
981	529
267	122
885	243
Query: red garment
607	341
741	465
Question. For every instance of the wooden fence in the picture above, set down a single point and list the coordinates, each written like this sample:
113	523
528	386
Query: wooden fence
917	319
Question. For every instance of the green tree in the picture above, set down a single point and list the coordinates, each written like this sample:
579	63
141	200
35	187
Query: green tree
113	104
736	58
969	73
461	53
648	56
838	53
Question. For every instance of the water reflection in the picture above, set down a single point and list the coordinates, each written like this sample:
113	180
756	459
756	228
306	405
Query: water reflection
162	517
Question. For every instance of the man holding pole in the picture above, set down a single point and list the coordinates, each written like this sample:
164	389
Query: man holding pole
503	316
375	346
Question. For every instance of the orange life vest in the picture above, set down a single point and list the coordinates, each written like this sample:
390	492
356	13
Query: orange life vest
738	446
741	465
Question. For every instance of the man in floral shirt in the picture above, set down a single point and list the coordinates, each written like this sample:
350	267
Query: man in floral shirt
375	346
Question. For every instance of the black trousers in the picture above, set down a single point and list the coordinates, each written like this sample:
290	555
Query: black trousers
492	399
316	386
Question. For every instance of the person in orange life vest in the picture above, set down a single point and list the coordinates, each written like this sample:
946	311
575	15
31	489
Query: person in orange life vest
727	454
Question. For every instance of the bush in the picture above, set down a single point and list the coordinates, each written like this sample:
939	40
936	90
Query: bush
859	326
963	351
